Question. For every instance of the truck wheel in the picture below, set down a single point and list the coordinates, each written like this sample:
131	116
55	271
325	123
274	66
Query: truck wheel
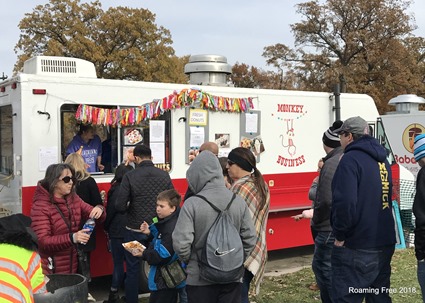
144	272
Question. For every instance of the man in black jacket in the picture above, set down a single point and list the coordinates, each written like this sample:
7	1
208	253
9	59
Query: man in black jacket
324	239
137	196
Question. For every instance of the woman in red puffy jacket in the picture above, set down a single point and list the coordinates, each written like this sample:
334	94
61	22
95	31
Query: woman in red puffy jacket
56	214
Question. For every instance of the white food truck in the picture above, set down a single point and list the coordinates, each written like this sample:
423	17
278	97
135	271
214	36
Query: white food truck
41	107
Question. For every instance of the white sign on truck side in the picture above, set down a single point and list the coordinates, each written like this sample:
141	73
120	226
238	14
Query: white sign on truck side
401	130
401	127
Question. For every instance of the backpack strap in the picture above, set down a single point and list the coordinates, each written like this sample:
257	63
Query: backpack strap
215	207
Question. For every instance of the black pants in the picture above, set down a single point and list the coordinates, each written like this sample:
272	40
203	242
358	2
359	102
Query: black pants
84	264
216	293
164	296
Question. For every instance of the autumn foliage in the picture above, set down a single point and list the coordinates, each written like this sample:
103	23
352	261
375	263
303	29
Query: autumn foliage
366	46
122	42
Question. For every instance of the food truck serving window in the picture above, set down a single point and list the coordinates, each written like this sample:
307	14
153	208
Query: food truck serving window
6	146
116	142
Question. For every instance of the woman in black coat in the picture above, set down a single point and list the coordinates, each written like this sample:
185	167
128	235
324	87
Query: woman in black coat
87	189
115	225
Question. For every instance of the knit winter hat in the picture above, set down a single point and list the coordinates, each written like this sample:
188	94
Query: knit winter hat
419	147
331	138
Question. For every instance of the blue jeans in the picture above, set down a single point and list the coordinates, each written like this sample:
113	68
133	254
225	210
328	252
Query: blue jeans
118	257
421	278
132	279
323	245
361	273
247	278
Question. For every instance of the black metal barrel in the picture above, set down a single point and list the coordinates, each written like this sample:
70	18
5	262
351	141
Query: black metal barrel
64	288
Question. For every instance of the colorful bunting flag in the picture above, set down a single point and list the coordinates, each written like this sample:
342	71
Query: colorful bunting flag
88	114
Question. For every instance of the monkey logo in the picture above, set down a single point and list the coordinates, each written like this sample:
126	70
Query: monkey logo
292	149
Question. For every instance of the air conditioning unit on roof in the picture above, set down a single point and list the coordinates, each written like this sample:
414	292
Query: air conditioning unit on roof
59	67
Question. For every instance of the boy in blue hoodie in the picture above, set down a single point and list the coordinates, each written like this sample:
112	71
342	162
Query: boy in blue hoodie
160	251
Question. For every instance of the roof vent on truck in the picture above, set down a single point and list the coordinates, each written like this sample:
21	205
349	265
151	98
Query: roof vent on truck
59	67
208	70
406	104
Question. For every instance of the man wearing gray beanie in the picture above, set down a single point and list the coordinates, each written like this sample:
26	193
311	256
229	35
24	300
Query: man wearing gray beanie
324	239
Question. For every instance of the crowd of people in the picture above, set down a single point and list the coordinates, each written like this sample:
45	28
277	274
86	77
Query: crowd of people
352	216
351	221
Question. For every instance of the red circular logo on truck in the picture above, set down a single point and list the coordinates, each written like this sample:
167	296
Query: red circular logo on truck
409	134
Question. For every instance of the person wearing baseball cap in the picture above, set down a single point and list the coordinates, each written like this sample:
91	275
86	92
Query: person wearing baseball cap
351	129
361	217
419	210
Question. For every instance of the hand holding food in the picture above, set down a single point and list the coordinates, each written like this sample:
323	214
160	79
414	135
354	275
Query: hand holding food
135	248
192	154
130	156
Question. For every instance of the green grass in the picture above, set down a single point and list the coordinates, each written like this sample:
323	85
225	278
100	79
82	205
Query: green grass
293	288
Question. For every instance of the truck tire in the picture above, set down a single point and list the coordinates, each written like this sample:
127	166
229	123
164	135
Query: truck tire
144	272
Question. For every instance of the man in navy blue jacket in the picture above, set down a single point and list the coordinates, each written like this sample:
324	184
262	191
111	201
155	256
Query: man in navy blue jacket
361	218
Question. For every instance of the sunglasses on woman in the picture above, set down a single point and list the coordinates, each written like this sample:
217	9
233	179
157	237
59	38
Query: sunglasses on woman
230	162
66	179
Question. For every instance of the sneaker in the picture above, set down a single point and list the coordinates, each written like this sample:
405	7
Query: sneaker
313	286
113	297
90	298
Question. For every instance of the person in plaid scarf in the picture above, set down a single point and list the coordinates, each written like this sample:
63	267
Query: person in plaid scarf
249	184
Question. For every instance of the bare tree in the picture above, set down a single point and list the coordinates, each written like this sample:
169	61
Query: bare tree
366	45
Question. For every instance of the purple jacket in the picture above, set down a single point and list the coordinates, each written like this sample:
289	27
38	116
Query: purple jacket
91	150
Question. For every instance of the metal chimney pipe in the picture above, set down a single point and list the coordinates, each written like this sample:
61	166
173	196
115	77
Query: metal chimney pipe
337	106
208	70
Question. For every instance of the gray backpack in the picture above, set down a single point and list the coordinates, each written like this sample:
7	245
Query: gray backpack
222	257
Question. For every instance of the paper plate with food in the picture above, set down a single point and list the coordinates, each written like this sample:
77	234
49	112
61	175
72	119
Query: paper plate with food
134	247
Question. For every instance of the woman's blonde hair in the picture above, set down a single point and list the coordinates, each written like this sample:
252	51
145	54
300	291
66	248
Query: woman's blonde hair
77	162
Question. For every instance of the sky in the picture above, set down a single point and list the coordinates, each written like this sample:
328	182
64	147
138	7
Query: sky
238	30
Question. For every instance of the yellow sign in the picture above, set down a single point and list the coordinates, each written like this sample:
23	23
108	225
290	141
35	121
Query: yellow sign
198	117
